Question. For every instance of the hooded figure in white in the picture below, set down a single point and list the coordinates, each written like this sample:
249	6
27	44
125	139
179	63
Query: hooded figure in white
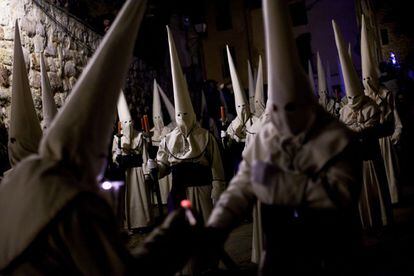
48	103
159	131
251	87
324	100
56	220
190	152
300	167
244	120
25	132
362	115
129	150
389	118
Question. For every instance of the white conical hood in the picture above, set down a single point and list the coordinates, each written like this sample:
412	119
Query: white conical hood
80	134
370	73
251	87
259	101
156	110
168	104
25	132
124	115
123	110
311	77
288	86
351	80
242	106
184	112
48	103
322	88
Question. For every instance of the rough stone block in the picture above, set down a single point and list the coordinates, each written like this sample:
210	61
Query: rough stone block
28	26
6	56
39	43
70	69
34	61
4	77
34	79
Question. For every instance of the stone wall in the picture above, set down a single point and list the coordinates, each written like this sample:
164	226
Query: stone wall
66	43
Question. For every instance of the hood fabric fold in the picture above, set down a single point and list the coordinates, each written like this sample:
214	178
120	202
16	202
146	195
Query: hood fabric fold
289	90
25	132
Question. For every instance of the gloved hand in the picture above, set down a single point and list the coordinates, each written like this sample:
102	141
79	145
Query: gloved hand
223	134
151	168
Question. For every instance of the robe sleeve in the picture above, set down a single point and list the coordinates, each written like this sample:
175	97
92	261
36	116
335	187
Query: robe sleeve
114	148
217	171
397	124
162	160
235	202
342	178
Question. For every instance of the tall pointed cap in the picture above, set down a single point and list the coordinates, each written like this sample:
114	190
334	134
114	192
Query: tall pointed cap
287	81
251	86
184	111
322	88
351	80
168	104
370	71
48	103
25	132
81	132
259	101
239	96
350	50
123	110
156	104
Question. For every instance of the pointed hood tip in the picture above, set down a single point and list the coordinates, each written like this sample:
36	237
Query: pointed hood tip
79	134
351	79
25	132
239	96
184	112
48	102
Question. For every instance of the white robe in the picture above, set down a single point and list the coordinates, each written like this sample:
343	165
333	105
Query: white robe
138	211
165	182
375	202
389	114
329	141
198	147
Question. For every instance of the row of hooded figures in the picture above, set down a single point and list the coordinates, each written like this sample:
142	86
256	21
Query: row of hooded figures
305	175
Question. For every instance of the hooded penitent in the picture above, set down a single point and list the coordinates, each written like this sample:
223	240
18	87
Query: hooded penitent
80	134
25	132
251	87
322	87
48	103
242	106
370	73
124	116
290	94
352	85
74	150
168	104
184	112
157	111
311	78
259	101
